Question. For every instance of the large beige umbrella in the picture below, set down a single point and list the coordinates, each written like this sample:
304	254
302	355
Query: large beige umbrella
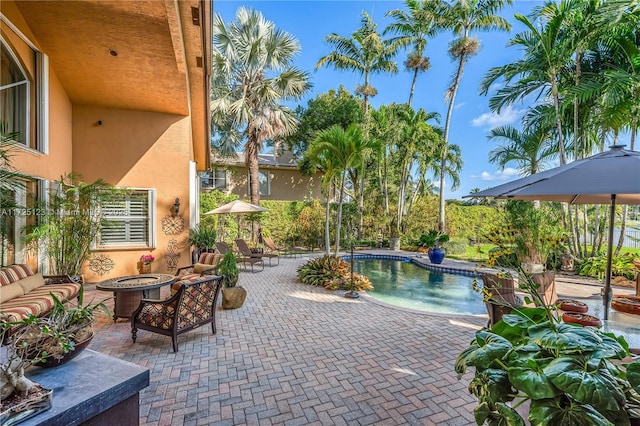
607	178
238	207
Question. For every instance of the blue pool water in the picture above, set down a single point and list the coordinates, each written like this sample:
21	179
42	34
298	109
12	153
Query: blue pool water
404	284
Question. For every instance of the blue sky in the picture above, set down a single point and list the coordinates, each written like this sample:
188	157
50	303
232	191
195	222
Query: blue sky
311	21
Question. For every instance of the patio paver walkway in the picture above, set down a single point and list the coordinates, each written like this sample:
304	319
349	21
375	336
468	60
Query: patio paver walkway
299	355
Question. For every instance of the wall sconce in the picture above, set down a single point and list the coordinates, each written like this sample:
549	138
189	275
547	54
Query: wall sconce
175	208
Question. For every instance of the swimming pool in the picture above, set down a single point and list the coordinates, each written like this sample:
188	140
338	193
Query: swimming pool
402	283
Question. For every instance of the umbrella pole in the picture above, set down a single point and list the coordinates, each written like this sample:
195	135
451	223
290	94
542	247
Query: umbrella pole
608	293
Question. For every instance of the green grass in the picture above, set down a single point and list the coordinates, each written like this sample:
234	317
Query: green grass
477	253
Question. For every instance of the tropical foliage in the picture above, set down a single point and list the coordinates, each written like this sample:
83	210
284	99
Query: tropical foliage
332	273
566	373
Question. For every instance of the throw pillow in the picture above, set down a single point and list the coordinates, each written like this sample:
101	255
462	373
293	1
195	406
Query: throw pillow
198	268
31	283
11	291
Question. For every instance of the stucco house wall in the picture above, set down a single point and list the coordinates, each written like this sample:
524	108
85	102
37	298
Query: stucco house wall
134	111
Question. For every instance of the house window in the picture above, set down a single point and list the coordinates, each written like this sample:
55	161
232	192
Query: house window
14	97
263	179
18	209
215	179
129	220
24	89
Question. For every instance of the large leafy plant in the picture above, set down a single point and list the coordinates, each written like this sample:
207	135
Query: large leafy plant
568	374
332	273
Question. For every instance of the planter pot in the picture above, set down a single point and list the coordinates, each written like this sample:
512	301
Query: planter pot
626	304
144	268
233	297
568	305
582	319
54	362
24	408
436	255
394	244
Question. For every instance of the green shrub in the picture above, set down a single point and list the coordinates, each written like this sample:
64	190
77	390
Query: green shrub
332	273
620	266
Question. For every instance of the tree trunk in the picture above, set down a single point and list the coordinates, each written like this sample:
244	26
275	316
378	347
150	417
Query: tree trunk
623	228
443	165
327	236
339	220
556	107
413	84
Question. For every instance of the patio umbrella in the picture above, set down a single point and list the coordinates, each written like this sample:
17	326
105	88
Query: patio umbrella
607	178
237	207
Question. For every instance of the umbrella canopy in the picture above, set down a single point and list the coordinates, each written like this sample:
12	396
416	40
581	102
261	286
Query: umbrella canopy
607	178
238	207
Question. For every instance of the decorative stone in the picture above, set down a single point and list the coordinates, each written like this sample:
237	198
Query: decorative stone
233	297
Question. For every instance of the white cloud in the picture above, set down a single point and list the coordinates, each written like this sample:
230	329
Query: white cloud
495	87
490	120
459	105
506	174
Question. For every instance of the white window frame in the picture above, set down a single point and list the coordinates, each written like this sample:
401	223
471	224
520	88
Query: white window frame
118	215
40	84
265	173
212	181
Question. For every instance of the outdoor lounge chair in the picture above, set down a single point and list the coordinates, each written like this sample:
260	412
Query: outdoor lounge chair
246	252
503	298
224	248
273	248
193	305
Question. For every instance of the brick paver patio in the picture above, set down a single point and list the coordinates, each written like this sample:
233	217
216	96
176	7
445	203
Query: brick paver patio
298	355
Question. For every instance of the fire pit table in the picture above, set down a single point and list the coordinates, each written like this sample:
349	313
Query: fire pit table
129	290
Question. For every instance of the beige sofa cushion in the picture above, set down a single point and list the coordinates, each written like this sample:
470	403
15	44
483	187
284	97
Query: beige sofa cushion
32	282
11	291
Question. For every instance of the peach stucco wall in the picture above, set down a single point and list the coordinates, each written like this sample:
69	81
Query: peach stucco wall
135	149
138	149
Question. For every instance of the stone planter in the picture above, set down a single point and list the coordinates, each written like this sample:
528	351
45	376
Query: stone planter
394	244
233	297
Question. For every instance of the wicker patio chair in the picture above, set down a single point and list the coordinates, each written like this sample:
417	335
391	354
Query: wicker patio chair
193	305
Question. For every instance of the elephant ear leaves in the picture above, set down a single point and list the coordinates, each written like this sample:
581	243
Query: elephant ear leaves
484	350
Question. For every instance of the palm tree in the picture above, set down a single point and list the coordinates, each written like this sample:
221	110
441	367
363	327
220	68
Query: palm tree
342	150
547	51
462	17
414	28
365	52
252	75
530	149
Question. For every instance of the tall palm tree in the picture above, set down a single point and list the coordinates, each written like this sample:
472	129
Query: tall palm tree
530	149
364	52
462	17
343	150
253	74
413	28
547	52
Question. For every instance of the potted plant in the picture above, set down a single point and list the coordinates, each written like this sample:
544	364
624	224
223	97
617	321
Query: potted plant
45	342
203	239
144	264
532	364
233	296
432	241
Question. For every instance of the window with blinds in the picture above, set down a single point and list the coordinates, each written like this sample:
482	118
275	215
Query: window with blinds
128	220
